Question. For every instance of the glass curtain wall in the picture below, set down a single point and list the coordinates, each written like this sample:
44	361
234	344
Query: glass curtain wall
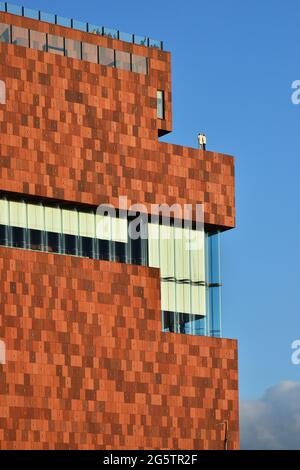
189	260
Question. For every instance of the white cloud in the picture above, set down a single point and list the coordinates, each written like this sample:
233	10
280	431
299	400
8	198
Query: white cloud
272	422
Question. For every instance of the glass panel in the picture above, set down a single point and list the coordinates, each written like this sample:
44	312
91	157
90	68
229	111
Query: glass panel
62	21
52	242
48	17
20	36
87	247
119	229
2	92
17	214
70	243
55	44
186	298
182	254
215	311
139	63
52	219
73	48
214	280
168	295
14	9
120	252
198	300
141	40
111	33
87	224
168	322
214	257
94	29
35	214
89	52
30	13
123	60
183	323
4	32
4	235
166	250
106	56
160	104
188	324
135	250
179	297
35	239
125	36
18	237
79	25
145	254
197	255
2	6
103	249
153	245
4	211
70	222
103	227
154	43
38	40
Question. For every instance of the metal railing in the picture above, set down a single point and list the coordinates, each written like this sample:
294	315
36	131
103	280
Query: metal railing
79	25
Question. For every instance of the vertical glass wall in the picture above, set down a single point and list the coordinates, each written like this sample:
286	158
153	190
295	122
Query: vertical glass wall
179	253
189	263
213	273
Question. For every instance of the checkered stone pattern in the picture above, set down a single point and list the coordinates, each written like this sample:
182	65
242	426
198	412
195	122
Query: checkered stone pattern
87	366
82	132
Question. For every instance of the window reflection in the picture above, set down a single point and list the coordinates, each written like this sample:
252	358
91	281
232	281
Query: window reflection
4	32
123	60
52	242
55	44
106	56
35	240
73	48
160	104
18	237
87	247
139	64
20	36
38	40
89	52
183	323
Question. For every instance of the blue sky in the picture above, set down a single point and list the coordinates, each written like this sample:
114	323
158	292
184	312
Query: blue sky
233	64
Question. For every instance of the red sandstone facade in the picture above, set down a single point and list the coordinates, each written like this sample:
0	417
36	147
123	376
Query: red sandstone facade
87	366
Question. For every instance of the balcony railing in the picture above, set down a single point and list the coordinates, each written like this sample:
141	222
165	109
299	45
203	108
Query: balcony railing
79	25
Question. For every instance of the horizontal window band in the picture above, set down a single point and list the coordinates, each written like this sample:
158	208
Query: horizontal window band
60	220
80	50
53	242
89	208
